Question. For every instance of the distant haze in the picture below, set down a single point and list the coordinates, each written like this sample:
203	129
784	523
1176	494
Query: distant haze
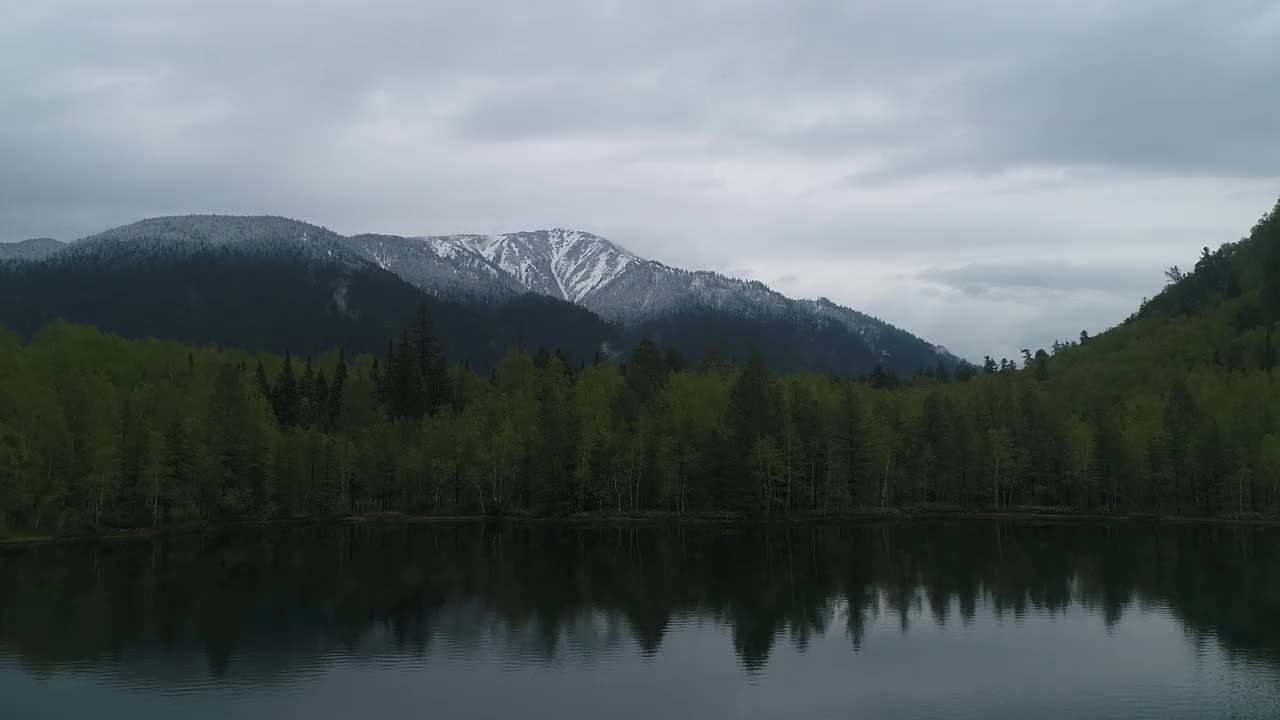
989	175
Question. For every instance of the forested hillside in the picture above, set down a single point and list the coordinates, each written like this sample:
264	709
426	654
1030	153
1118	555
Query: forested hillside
1174	411
279	285
267	284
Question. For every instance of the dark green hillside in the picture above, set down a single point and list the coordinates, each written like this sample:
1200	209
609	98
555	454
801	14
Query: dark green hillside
1175	411
276	303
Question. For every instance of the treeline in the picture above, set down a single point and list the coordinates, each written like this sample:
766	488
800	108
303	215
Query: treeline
1175	411
97	431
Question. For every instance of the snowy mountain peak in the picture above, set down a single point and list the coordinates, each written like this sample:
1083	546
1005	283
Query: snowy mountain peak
571	265
567	264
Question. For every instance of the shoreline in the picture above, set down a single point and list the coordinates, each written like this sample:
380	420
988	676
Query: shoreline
660	519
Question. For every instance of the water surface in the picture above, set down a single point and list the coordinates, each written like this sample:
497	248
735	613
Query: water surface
961	620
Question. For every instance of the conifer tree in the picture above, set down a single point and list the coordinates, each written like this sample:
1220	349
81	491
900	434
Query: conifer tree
287	397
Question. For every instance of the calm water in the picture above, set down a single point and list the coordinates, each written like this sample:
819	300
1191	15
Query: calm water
966	620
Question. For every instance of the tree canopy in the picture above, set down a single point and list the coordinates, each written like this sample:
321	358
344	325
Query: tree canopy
1175	411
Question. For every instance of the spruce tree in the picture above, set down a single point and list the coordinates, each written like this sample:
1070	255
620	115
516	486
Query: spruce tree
306	392
286	399
264	385
1042	365
320	401
333	408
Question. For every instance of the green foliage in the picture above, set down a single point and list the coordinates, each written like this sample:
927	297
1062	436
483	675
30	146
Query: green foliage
1177	410
161	433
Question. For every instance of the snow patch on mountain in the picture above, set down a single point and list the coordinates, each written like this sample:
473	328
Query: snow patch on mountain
438	266
566	264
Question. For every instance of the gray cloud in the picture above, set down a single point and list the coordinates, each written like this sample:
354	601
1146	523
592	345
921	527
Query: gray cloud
920	159
1036	276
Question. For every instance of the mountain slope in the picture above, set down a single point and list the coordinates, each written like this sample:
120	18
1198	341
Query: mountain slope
1220	315
278	284
566	264
437	266
30	250
636	293
259	283
265	283
194	235
611	281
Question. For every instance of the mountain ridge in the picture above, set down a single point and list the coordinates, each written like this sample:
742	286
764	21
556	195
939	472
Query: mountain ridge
620	286
31	249
573	266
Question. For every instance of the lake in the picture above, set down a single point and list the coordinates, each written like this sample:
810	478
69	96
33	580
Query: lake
969	619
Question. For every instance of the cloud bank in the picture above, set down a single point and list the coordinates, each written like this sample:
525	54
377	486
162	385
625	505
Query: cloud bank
991	175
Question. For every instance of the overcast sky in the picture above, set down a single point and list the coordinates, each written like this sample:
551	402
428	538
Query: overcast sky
990	174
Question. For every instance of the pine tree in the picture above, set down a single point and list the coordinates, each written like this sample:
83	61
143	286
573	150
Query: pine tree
320	401
385	380
647	371
260	377
1042	365
430	365
333	408
877	379
405	394
307	395
286	400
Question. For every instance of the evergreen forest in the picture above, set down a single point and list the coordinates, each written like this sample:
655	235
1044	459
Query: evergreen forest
1174	411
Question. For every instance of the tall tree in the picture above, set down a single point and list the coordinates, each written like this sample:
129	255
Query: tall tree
287	398
333	406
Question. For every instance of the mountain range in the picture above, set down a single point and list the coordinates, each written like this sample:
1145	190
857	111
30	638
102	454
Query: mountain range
268	282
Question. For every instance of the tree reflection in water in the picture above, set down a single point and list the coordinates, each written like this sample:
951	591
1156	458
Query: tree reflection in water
294	596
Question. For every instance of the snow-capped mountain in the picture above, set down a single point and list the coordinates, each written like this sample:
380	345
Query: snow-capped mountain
605	277
440	266
566	264
563	264
611	281
635	296
269	283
